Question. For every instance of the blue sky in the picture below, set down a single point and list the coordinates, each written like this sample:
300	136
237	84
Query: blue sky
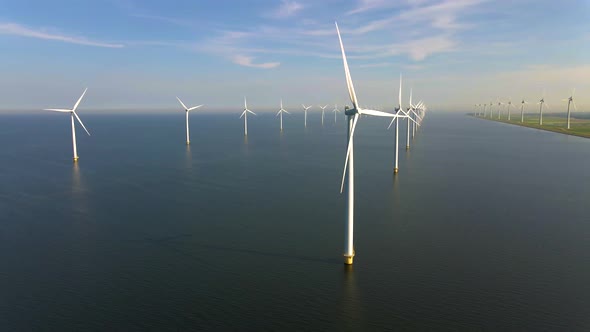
141	54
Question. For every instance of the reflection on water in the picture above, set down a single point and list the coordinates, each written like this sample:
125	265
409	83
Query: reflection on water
352	312
188	157
77	185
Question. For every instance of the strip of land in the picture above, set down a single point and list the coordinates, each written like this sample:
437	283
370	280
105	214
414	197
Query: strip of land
557	124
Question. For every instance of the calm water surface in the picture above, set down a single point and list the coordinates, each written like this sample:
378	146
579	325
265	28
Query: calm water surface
486	227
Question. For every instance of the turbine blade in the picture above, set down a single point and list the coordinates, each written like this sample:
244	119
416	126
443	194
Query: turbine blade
279	112
400	91
392	121
57	110
194	108
77	117
376	113
251	112
286	111
244	112
574	103
349	148
347	72
79	100
181	103
245	105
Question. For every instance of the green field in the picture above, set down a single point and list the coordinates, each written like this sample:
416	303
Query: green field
551	122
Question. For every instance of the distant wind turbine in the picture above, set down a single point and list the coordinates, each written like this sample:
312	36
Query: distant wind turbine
281	111
570	100
353	114
499	108
335	110
187	110
399	109
541	103
245	115
323	109
484	110
305	108
522	103
508	105
72	115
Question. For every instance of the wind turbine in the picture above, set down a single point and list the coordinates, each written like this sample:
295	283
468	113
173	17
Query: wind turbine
508	105
335	110
541	102
397	110
570	100
353	114
484	110
281	111
499	108
245	115
522	103
72	115
323	108
305	108
490	109
187	110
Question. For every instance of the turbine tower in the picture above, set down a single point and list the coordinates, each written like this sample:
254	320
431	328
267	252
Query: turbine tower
305	108
570	100
187	110
245	115
323	109
72	115
281	111
353	114
499	108
484	110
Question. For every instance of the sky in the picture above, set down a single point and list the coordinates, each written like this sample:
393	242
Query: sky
140	55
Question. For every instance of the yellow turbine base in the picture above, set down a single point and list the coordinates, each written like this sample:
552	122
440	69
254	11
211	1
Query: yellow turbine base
76	159
188	142
395	170
407	147
348	260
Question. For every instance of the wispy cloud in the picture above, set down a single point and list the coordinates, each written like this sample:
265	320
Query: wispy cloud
248	61
15	29
287	8
375	65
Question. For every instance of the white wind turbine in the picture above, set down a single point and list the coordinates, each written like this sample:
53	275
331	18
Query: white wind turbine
541	103
281	111
323	109
509	103
405	115
245	115
305	108
522	103
570	100
490	109
187	110
499	108
335	110
72	115
353	114
484	110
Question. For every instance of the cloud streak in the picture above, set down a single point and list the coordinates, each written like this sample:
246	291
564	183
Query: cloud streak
248	61
15	29
287	8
